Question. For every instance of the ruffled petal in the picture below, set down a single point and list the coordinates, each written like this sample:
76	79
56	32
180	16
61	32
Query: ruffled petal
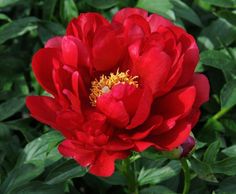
43	108
118	145
68	123
69	51
107	49
43	64
113	109
176	104
190	54
174	137
202	85
153	68
71	149
54	42
140	146
143	132
121	15
143	109
105	163
135	27
85	26
174	107
155	21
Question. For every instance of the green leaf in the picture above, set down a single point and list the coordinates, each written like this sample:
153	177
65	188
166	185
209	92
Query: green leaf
230	151
230	124
40	188
205	42
156	190
208	133
227	186
115	179
4	132
226	166
228	15
68	10
164	8
157	175
4	3
9	150
65	171
222	3
10	107
24	126
4	17
11	67
203	4
49	29
218	59
48	9
17	28
226	34
228	94
184	11
40	148
34	158
211	152
203	170
52	156
21	175
102	4
97	185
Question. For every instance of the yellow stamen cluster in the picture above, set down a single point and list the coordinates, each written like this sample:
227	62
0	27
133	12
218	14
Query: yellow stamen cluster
105	83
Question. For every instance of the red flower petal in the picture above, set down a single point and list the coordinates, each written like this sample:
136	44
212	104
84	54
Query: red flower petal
135	27
174	137
142	132
140	146
155	21
118	145
176	104
68	123
43	64
190	54
69	148
104	61
203	89
113	109
85	26
104	164
143	109
125	102
121	15
69	51
54	42
153	68
43	108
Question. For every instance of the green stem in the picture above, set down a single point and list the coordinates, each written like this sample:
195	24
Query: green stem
217	116
186	176
129	171
221	113
136	190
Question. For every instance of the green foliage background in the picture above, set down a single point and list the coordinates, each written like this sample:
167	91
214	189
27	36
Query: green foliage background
29	160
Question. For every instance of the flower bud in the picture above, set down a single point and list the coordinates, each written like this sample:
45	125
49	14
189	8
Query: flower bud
188	146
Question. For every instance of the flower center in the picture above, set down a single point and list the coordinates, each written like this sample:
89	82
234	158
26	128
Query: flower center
105	84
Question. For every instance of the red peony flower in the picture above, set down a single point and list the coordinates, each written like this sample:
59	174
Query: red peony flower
119	86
